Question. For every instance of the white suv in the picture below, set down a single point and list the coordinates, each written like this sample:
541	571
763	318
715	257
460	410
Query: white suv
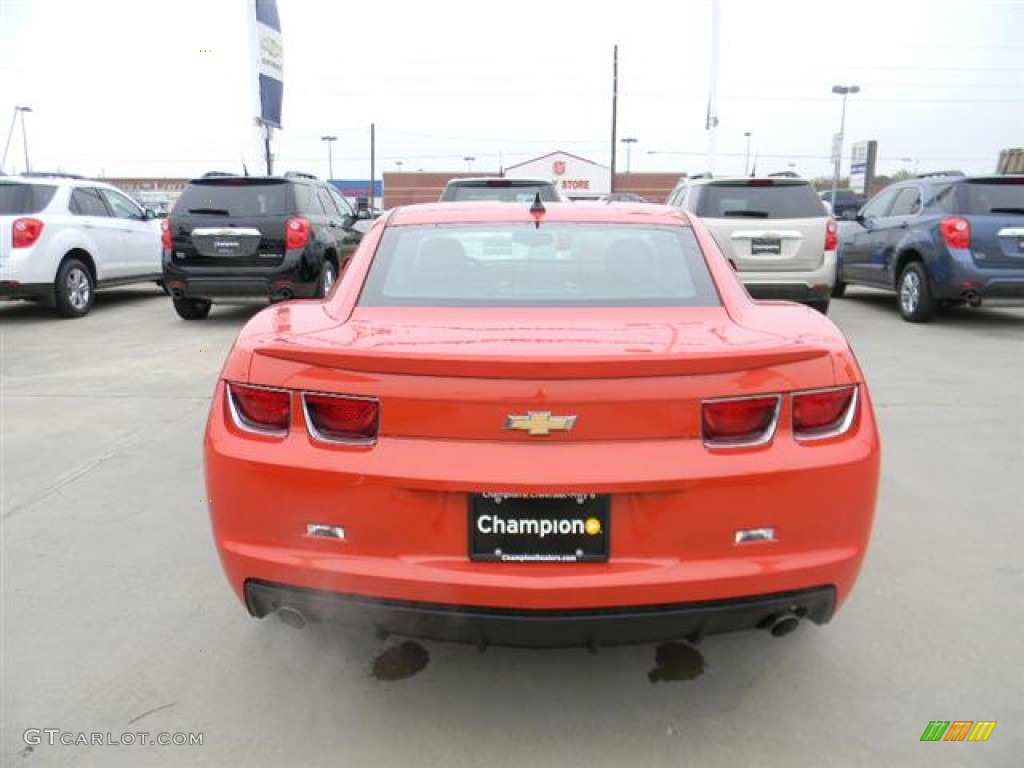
775	230
63	237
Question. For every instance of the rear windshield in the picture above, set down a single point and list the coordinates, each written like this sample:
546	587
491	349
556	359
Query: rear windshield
992	196
760	200
501	190
22	199
236	197
560	264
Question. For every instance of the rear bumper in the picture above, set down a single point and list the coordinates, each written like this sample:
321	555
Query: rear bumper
805	285
16	290
291	279
539	628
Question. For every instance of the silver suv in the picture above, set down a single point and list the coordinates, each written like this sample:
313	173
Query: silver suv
775	231
62	237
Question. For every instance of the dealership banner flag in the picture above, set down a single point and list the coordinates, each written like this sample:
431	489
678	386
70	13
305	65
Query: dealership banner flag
270	60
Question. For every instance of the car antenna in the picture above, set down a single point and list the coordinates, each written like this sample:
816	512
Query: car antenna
537	210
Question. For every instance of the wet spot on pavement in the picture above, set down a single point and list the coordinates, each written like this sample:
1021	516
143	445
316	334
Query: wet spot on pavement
400	661
675	662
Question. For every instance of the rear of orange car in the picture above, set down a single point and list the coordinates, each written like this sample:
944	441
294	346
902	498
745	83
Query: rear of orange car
528	473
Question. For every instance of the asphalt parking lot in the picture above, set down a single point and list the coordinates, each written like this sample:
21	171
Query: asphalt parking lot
117	618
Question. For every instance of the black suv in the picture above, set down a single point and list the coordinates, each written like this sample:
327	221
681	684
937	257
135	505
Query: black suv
275	237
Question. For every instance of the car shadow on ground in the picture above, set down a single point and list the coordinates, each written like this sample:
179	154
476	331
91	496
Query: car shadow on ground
106	301
992	315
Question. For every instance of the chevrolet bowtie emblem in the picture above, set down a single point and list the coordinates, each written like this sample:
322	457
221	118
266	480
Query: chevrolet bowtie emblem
540	422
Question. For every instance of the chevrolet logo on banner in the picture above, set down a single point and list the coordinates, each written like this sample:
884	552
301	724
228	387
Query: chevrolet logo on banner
540	423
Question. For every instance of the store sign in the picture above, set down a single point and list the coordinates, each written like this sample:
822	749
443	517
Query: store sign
574	176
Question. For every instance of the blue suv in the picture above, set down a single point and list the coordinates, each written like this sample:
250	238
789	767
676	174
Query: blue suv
938	240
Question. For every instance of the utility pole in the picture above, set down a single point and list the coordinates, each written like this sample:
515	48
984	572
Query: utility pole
615	109
373	169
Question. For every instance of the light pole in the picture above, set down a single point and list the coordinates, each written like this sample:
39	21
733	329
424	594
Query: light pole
330	157
469	162
24	136
844	91
629	141
746	160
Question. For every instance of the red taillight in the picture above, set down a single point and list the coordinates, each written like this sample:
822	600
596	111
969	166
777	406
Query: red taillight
741	421
165	234
341	419
259	409
825	413
831	236
296	231
25	232
956	232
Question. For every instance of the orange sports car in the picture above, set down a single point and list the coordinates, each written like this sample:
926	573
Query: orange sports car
542	426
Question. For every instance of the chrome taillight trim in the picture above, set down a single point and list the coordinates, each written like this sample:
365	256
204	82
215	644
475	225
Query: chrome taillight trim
317	435
842	425
763	439
242	423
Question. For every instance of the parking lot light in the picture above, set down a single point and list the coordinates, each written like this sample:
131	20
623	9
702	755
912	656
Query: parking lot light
844	91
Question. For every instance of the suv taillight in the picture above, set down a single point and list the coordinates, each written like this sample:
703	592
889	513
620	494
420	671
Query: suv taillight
956	232
25	232
296	231
165	234
831	235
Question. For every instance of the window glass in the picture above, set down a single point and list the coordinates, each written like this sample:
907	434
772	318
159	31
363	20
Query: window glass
879	205
560	264
760	199
237	197
907	203
327	203
21	199
87	201
122	207
998	196
342	202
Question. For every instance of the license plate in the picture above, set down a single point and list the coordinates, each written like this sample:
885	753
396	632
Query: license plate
763	246
538	527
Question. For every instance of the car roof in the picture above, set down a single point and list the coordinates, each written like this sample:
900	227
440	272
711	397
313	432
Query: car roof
472	212
58	180
768	181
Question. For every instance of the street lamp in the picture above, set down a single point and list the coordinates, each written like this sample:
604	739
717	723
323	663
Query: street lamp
469	162
837	148
746	161
330	157
24	138
629	141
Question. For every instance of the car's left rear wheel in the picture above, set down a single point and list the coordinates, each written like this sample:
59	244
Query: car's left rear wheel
192	309
328	275
74	289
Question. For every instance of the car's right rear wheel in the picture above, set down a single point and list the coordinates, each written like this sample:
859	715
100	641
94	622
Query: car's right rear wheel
838	289
192	309
917	305
328	275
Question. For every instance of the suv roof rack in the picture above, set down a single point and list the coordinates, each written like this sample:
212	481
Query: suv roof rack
301	175
934	174
50	175
212	174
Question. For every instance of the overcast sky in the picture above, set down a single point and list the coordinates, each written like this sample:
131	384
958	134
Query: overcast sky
129	88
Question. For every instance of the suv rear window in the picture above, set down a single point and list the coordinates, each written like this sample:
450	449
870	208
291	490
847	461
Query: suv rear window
760	199
21	199
986	196
502	190
237	197
516	265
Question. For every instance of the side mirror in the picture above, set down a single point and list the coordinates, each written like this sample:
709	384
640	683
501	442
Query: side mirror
148	214
849	214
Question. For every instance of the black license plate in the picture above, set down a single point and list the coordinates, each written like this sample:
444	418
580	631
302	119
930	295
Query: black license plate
764	246
538	527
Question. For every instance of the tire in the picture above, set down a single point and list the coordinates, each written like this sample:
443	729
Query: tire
838	289
917	305
192	309
328	276
74	289
821	306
